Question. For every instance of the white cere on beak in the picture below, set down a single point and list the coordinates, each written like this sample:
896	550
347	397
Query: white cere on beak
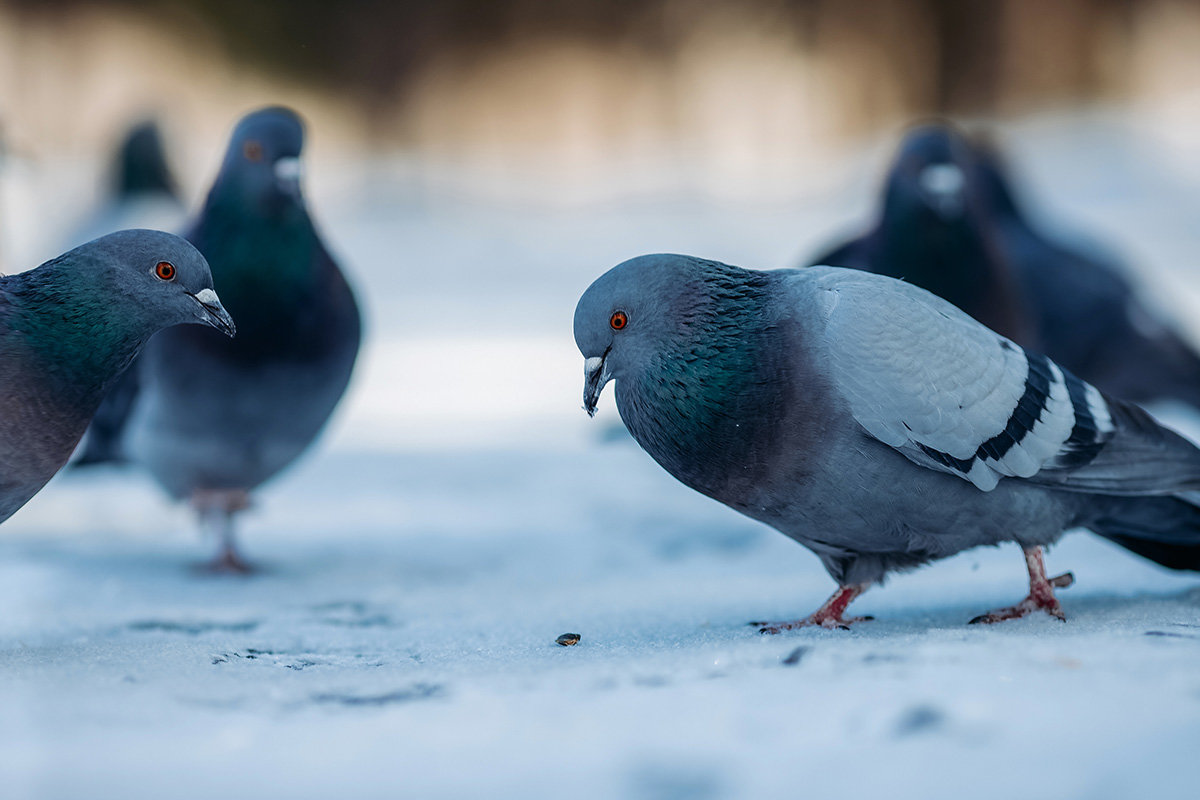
208	297
941	179
592	364
289	170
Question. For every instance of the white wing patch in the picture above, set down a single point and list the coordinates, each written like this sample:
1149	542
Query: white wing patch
950	394
1098	408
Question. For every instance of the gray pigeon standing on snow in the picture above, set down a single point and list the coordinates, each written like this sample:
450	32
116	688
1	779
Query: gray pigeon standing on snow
211	421
70	327
875	423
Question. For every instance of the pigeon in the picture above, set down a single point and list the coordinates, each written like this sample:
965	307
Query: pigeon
142	192
950	223
877	424
70	327
211	419
140	167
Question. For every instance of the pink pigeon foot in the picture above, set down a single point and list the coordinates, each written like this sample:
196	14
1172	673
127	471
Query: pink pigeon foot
827	616
1041	592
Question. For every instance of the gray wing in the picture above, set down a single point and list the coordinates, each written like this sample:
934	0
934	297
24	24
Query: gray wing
952	395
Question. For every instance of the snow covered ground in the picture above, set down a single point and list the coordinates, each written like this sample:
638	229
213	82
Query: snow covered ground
464	512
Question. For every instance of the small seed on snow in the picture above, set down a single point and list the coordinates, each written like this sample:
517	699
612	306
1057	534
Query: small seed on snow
568	639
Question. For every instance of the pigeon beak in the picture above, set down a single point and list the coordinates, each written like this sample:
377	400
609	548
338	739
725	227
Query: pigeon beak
595	377
288	172
942	185
213	313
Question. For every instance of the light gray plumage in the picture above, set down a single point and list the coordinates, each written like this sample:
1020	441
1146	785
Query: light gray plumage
70	327
872	421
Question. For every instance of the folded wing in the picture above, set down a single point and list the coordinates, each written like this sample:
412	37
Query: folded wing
951	395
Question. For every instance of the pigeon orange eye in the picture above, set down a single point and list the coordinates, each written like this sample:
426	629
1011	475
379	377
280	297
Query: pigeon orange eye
164	270
618	320
252	150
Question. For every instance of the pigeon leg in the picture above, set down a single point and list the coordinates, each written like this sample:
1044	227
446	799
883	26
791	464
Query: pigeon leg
827	616
1041	592
216	510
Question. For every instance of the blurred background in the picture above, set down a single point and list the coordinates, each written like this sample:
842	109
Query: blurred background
752	91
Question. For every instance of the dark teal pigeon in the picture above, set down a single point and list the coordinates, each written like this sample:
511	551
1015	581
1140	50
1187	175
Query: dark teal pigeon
877	424
210	421
949	222
70	327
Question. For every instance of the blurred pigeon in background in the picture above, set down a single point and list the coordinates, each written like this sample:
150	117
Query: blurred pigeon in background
1086	312
67	330
875	423
141	192
949	223
933	230
213	419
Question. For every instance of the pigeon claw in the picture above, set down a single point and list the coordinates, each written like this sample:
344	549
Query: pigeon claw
828	616
1021	609
1062	581
215	508
228	563
829	623
1041	593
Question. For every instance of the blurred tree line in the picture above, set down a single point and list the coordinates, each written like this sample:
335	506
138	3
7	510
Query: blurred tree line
950	56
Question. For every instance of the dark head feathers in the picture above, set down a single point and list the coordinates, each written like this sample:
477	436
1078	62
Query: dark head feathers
931	174
141	163
260	174
104	299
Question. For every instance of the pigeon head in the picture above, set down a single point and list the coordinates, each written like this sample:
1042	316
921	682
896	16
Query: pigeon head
262	170
140	280
644	312
141	163
935	226
84	315
930	174
623	316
